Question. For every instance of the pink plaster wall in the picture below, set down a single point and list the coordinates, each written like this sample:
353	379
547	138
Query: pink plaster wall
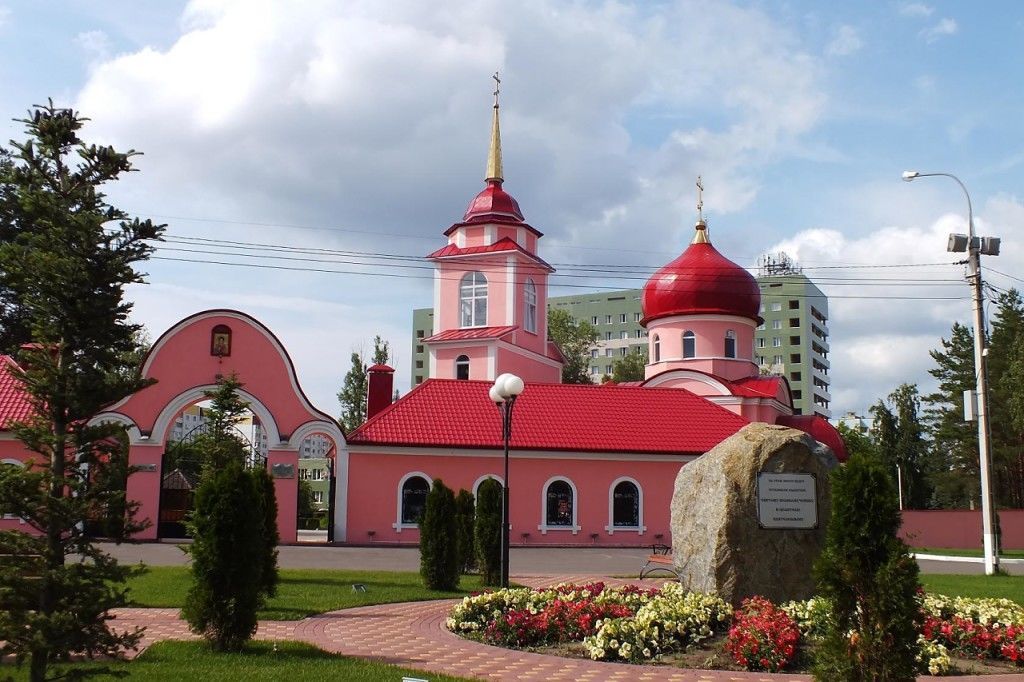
13	450
709	336
959	529
374	478
529	369
493	267
445	356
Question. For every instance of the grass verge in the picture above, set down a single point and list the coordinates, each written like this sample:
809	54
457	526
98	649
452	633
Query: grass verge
301	592
258	661
999	586
1006	553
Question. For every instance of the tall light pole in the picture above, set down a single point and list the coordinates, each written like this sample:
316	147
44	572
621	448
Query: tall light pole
506	388
975	247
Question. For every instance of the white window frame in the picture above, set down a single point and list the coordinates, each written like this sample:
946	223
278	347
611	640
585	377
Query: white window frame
656	348
776	324
398	525
530	307
611	527
476	484
688	334
318	496
460	362
472	288
776	307
543	526
730	335
776	342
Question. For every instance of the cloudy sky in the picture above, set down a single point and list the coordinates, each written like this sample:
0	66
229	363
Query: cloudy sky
360	128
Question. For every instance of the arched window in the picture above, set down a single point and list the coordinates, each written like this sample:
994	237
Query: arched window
626	505
473	300
530	307
656	342
462	367
476	484
11	463
558	498
730	344
689	344
413	499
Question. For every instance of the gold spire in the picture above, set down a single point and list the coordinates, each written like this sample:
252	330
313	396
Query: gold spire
701	237
494	170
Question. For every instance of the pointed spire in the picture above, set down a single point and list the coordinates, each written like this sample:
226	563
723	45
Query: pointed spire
701	236
494	169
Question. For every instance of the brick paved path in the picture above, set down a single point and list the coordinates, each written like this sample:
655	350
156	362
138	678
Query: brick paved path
413	635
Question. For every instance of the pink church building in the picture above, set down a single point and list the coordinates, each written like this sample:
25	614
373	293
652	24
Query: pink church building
589	465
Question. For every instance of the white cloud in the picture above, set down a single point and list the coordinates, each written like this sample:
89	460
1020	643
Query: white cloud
916	9
945	27
96	44
846	41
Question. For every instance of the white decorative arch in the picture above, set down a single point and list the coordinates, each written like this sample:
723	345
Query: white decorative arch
611	527
476	484
398	525
198	394
131	428
543	526
332	431
673	375
313	427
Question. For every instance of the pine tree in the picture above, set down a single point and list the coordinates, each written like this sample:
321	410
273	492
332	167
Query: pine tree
66	256
574	338
487	531
953	473
868	575
910	446
439	550
464	510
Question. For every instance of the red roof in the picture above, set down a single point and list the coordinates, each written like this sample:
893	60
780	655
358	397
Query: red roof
460	414
493	202
819	429
14	404
757	387
380	367
701	281
503	244
469	333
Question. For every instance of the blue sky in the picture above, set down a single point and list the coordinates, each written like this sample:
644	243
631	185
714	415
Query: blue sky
362	126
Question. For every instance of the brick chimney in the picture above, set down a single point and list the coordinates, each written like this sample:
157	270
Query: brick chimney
379	389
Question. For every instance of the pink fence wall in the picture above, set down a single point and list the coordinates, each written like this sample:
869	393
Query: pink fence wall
959	529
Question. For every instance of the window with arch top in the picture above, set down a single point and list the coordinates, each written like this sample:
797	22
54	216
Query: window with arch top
730	344
530	307
414	499
560	504
473	300
462	367
656	342
689	344
626	505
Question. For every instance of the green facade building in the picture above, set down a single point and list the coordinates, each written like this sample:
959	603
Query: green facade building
793	341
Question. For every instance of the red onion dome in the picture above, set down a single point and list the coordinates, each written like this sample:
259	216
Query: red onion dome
701	281
493	203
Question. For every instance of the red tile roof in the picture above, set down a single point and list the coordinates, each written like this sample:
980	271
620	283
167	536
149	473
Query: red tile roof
459	414
470	333
502	245
819	429
756	387
14	404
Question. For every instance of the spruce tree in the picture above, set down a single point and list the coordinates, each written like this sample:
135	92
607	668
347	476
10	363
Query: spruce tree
439	551
487	531
868	575
66	255
464	508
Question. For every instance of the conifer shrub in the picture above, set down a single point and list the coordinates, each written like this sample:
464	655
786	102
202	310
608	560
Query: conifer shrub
464	508
867	573
264	484
487	531
439	549
228	558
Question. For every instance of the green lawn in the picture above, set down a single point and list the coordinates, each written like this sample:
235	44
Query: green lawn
258	661
1006	586
1007	553
301	592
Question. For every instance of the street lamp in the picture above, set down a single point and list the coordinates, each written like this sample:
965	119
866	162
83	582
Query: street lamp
975	248
504	392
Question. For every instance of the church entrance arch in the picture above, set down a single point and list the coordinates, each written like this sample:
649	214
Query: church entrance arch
185	363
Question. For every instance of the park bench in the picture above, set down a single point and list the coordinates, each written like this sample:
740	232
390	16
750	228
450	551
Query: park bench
660	559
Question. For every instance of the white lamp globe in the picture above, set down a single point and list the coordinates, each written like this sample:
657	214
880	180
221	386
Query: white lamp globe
512	385
496	395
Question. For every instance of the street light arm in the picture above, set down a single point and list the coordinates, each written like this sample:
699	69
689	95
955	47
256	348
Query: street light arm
911	175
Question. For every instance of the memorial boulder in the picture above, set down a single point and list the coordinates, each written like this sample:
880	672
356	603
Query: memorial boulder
749	517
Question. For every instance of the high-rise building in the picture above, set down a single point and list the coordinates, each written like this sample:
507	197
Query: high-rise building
793	341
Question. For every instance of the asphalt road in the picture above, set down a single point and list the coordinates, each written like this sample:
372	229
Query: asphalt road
524	561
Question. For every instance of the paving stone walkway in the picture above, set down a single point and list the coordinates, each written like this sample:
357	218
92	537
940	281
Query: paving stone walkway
413	635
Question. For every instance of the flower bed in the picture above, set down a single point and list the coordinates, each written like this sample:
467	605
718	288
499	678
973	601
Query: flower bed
642	626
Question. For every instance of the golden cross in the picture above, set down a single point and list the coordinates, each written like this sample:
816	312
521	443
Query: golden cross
497	86
700	199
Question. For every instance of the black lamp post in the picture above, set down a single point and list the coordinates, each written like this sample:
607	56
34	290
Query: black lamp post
506	388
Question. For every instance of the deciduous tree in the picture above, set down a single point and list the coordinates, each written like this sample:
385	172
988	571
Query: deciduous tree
630	367
574	338
66	255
